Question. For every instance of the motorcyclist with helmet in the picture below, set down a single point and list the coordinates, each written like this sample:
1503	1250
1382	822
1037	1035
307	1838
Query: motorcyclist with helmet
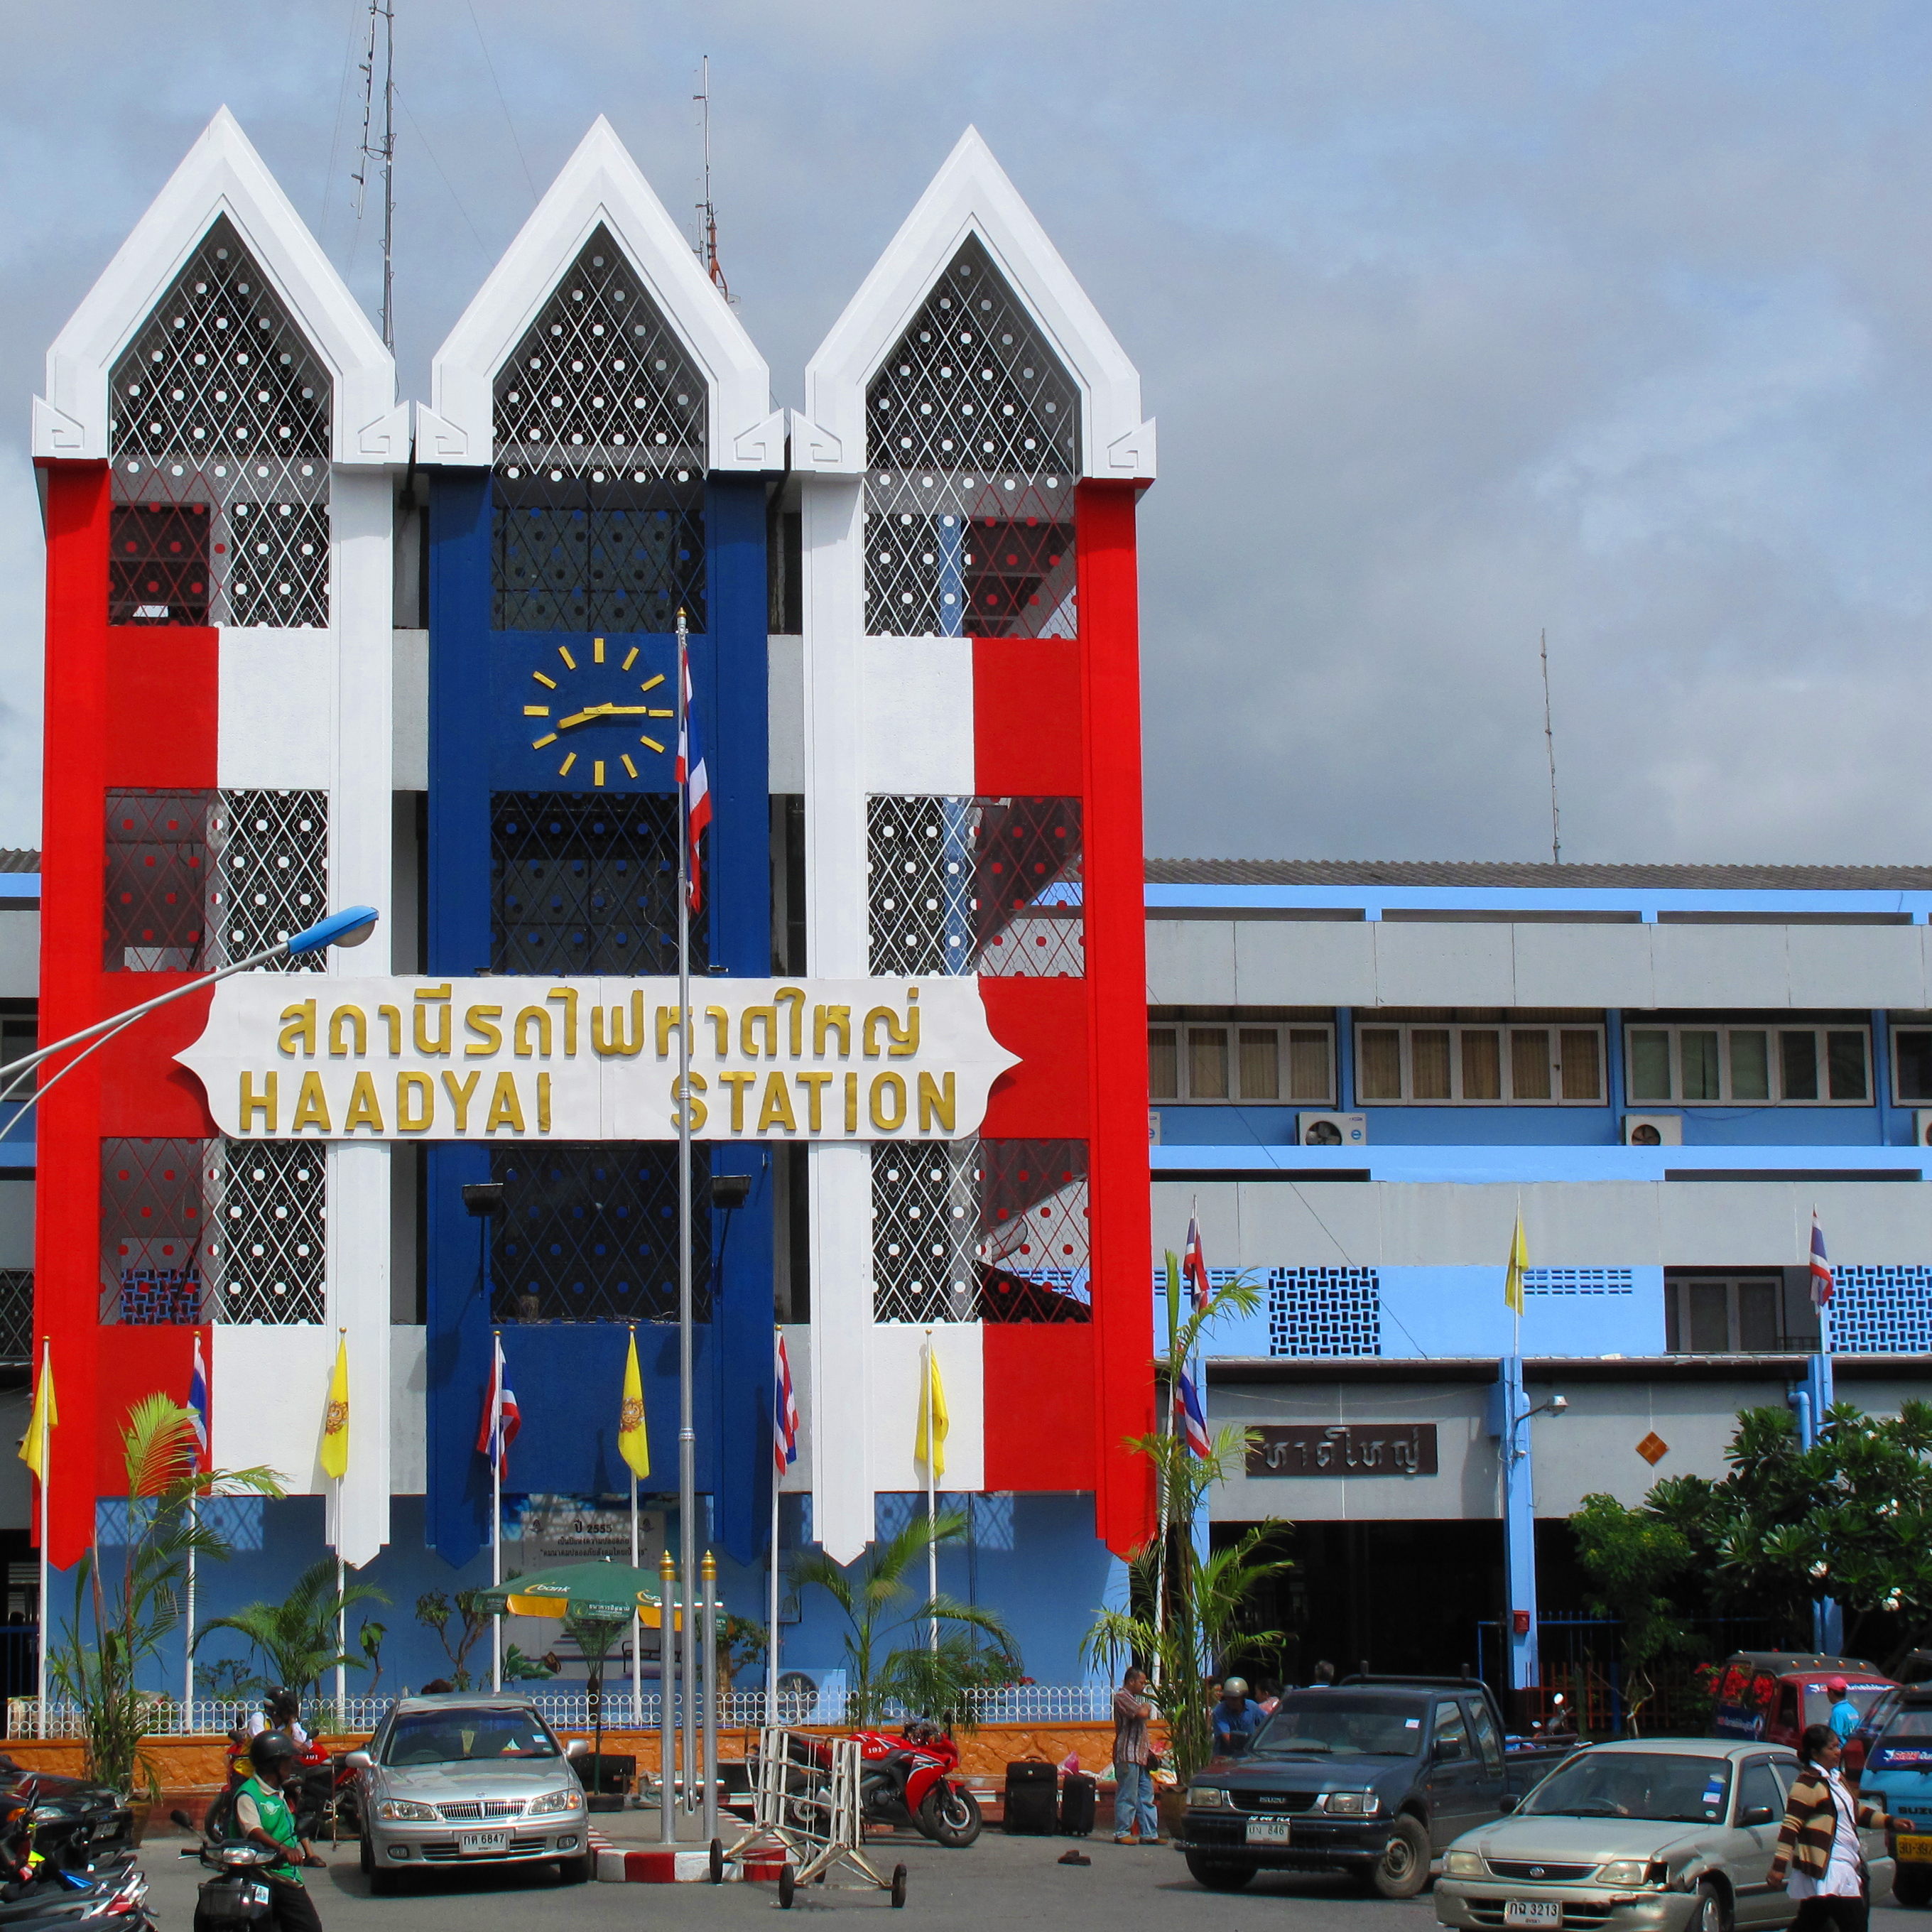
1236	1718
263	1816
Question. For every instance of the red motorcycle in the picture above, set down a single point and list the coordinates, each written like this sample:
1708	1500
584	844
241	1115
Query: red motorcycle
324	1796
906	1778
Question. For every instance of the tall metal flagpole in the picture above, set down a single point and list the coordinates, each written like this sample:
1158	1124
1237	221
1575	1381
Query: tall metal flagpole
637	1619
496	1496
188	1627
932	1497
687	1430
47	1449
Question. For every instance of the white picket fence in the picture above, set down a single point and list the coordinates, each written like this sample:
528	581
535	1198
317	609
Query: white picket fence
570	1710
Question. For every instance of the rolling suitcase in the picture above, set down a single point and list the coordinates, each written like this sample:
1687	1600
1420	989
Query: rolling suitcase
1079	1795
1033	1794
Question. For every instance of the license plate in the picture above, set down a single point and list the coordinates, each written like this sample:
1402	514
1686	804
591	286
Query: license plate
1915	1846
1267	1831
1532	1912
474	1844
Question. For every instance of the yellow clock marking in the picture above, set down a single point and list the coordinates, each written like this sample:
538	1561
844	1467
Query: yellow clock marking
566	657
630	769
652	683
597	649
660	714
631	657
538	744
597	772
536	711
563	770
653	742
548	683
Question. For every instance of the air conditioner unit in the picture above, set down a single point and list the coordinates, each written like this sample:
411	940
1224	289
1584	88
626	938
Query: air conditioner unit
1153	1127
1921	1126
1332	1129
1653	1130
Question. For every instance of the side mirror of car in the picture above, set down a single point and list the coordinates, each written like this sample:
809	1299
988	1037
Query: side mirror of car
358	1760
1447	1750
1509	1803
1757	1814
577	1747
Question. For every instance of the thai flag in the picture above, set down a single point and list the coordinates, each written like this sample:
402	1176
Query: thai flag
784	1413
1194	1267
1189	1413
502	1418
693	777
1821	1268
197	1404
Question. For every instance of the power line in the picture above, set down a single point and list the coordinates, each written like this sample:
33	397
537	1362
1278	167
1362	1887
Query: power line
508	120
1549	741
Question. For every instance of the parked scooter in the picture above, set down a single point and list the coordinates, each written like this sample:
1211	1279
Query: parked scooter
906	1778
238	1893
58	1877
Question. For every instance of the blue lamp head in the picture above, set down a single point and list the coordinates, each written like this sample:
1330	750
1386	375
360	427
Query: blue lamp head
348	927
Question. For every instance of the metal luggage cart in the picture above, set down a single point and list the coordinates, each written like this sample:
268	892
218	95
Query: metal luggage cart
807	1806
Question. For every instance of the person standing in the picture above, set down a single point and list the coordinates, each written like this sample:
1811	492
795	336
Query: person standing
1133	1768
1818	1861
1844	1717
1236	1718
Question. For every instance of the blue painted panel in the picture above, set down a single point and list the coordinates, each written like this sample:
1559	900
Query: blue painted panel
1459	1311
635	671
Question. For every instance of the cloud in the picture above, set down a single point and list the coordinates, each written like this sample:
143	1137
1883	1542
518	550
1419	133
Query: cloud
1461	321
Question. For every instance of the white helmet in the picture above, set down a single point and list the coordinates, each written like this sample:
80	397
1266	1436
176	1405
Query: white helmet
1234	1687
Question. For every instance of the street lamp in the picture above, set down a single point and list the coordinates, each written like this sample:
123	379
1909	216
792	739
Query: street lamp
349	927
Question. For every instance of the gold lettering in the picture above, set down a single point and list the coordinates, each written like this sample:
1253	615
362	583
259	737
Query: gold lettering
851	1103
615	1041
938	1103
422	1089
814	1085
505	1109
481	1021
568	994
793	999
774	1111
533	1020
904	1039
720	1018
459	1092
885	1084
262	1103
298	1028
431	1000
391	1017
543	1103
766	1017
698	1108
339	1034
737	1081
311	1105
668	1017
831	1019
365	1109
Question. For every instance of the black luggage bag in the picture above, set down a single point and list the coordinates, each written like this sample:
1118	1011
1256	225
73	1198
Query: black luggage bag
1078	1796
1032	1796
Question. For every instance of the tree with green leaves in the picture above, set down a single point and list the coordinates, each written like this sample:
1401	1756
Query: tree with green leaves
975	1652
1633	1558
296	1639
122	1615
436	1612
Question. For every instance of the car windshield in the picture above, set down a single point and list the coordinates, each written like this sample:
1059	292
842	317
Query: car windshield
1910	1724
467	1737
1820	1702
1342	1724
1667	1785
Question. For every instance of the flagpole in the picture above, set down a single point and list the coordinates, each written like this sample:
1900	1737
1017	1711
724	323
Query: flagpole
931	1433
47	1449
772	1584
687	1431
496	1505
188	1626
637	1616
341	1625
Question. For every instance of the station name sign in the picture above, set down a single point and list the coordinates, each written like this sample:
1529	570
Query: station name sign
1343	1449
290	1057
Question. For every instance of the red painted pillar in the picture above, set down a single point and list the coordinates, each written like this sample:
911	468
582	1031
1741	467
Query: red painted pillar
1116	926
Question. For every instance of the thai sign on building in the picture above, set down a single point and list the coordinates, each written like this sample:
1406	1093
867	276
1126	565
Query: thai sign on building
293	1058
1343	1449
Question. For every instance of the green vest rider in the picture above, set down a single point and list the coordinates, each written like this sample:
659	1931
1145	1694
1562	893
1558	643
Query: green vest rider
263	1813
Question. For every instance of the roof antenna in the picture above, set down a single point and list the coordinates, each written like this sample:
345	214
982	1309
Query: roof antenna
707	210
383	24
1549	740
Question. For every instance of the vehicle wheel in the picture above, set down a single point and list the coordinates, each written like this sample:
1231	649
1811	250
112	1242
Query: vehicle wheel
383	1884
787	1884
898	1886
950	1817
1912	1885
365	1856
716	1871
1218	1874
1402	1870
579	1870
1708	1915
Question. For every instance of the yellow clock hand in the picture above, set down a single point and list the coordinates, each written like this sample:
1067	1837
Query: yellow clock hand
579	717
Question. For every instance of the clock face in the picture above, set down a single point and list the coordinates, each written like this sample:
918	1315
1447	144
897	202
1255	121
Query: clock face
602	715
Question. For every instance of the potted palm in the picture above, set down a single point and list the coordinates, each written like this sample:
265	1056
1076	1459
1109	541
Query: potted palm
297	1639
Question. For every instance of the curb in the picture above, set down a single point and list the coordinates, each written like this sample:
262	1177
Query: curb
619	1865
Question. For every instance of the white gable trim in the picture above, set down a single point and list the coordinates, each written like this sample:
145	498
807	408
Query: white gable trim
222	174
971	194
600	183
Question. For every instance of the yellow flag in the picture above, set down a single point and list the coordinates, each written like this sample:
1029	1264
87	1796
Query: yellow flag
335	1423
37	1446
1518	1266
634	1442
934	1422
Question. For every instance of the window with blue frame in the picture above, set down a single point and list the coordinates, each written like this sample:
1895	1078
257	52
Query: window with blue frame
1792	1060
1473	1056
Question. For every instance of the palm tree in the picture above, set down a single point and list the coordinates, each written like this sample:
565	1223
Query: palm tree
975	1652
132	1612
296	1638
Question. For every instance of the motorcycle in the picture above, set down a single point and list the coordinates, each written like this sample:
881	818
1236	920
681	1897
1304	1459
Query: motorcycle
325	1796
238	1895
63	1869
906	1778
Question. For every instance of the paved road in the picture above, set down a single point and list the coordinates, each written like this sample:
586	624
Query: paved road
1000	1885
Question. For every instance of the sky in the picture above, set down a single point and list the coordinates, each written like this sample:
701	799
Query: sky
1463	323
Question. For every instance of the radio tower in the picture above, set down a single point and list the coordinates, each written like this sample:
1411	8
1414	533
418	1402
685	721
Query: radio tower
383	152
707	210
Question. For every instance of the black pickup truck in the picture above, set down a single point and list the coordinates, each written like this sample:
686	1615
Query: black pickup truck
1373	1777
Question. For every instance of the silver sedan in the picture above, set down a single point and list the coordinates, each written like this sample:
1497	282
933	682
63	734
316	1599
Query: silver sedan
468	1779
1647	1834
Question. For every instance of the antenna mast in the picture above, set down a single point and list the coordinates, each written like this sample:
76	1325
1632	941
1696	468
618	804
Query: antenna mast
382	25
707	211
1549	741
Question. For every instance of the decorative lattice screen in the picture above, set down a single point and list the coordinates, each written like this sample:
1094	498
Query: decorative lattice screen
268	872
157	881
601	457
975	885
219	445
587	885
973	446
1579	1281
589	1232
981	1231
1324	1311
1881	1311
267	1219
